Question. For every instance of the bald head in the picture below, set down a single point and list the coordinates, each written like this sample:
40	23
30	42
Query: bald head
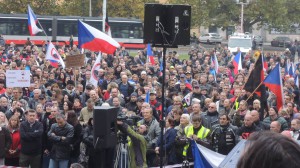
248	120
275	126
255	115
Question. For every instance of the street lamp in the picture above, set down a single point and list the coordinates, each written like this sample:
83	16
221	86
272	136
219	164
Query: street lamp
242	3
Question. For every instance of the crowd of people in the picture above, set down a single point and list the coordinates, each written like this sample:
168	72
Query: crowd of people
50	123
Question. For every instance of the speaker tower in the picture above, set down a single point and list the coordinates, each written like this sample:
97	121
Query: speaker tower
105	130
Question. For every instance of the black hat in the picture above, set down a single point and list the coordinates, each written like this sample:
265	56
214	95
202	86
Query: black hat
71	82
89	87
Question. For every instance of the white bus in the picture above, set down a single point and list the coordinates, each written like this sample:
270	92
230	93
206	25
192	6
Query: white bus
14	28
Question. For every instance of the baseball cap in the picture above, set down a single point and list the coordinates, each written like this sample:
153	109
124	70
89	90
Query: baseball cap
152	91
182	76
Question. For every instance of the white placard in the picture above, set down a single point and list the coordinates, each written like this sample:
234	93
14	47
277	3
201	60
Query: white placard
17	78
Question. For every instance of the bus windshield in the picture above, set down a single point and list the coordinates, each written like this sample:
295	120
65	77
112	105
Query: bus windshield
240	42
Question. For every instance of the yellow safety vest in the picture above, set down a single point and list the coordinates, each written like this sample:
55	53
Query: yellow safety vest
189	130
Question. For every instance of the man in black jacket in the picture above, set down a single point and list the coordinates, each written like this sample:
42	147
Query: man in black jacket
223	136
247	128
31	132
61	134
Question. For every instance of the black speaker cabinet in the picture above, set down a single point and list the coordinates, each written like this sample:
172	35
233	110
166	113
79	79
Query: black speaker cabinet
105	130
167	24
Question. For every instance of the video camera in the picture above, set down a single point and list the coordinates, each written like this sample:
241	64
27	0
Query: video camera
131	120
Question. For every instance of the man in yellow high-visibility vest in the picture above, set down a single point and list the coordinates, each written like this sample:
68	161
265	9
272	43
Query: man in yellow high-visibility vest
195	132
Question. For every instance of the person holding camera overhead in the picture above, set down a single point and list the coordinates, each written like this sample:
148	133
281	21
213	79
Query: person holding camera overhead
138	146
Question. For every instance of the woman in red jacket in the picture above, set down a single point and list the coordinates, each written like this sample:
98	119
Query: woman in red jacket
12	156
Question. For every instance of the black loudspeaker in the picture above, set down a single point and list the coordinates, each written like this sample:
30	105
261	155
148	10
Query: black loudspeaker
105	129
167	24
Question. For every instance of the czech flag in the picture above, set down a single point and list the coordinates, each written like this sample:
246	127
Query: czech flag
214	62
274	83
53	56
237	63
265	64
95	40
150	55
32	20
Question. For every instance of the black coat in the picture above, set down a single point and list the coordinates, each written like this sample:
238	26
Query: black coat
77	138
31	138
61	149
5	141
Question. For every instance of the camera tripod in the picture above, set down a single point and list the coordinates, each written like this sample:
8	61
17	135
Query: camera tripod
122	156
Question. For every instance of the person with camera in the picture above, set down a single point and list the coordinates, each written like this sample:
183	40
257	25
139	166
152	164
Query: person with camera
152	134
138	146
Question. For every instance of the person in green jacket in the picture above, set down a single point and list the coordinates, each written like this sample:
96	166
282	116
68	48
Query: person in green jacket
137	146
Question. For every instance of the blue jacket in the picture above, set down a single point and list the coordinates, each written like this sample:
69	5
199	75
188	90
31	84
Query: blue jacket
168	144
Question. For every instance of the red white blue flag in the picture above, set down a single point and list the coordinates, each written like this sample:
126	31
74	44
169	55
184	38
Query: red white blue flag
32	21
150	55
237	63
274	82
53	56
95	40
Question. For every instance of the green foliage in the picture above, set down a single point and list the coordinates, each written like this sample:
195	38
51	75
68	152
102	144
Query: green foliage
223	13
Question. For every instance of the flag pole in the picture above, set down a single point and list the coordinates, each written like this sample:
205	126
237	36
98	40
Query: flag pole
103	15
244	87
254	90
43	30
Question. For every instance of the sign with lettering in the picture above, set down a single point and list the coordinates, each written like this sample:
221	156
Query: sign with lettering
17	78
75	61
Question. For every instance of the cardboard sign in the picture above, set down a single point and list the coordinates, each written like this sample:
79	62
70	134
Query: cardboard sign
17	78
75	61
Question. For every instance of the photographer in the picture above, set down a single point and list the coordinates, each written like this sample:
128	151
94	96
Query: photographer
138	145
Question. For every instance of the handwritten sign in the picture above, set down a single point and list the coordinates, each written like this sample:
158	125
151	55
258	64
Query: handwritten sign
75	61
17	78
